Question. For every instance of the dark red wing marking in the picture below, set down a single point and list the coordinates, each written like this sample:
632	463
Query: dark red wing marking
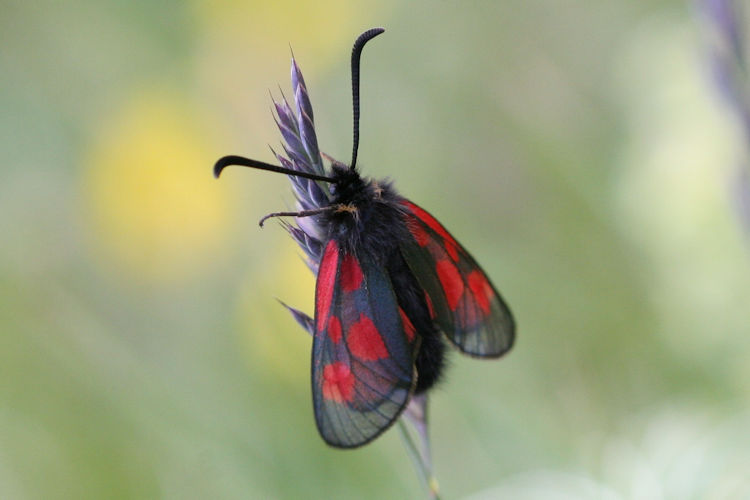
462	300
324	287
430	221
338	382
334	329
351	274
409	329
364	340
363	350
430	307
482	290
451	281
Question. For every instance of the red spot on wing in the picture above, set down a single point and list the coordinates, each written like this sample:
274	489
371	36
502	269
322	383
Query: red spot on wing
364	340
334	329
325	284
481	289
450	279
450	247
409	329
420	235
351	274
430	221
429	305
338	382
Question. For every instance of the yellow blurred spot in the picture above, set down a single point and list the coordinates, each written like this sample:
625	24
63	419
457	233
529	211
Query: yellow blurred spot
276	344
246	39
434	487
156	211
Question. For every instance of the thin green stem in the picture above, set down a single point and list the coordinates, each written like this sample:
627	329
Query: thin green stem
416	414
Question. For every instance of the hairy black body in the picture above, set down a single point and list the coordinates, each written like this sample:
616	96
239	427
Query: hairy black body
366	218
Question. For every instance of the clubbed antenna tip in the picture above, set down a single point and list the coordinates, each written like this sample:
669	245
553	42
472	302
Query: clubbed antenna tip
359	44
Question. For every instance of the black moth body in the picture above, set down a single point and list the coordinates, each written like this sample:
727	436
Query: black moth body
368	217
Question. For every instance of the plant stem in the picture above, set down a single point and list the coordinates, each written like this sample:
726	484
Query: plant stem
416	414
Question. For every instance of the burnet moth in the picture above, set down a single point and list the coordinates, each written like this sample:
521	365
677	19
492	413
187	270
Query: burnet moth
392	283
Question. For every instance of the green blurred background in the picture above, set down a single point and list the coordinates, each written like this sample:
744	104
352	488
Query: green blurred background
576	147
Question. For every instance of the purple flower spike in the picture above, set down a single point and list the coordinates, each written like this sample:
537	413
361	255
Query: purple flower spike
301	153
725	15
303	319
727	53
305	119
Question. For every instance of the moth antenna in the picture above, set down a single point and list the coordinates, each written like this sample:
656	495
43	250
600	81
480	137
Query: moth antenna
241	161
356	53
301	213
